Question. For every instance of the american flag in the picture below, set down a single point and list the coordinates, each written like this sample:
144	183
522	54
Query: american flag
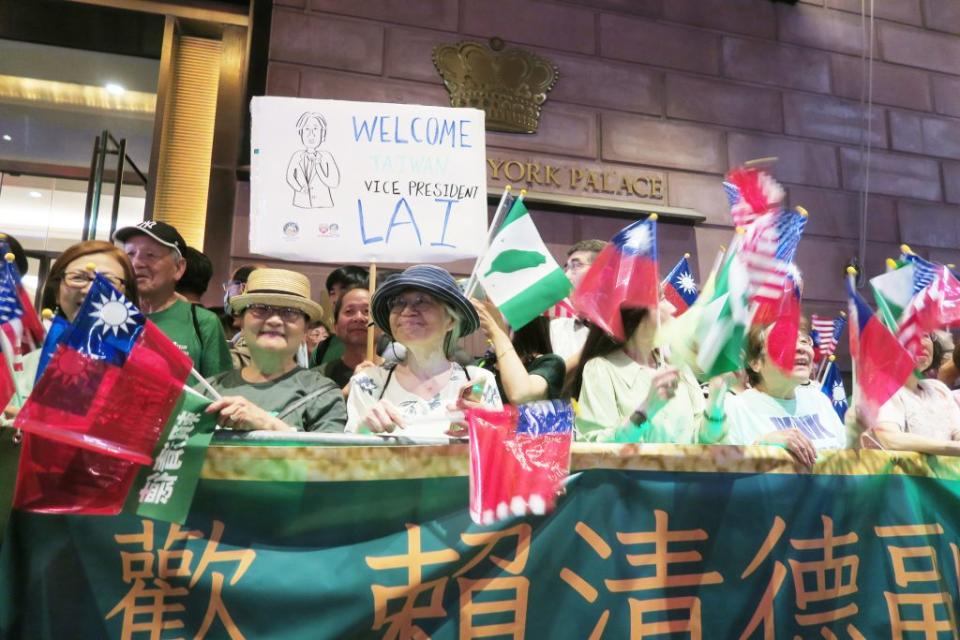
935	307
769	246
751	193
32	332
826	334
924	271
11	314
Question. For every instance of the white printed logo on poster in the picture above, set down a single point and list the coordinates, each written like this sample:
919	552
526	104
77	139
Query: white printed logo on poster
337	181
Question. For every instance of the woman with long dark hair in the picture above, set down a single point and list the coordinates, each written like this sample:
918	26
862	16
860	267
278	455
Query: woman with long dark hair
625	391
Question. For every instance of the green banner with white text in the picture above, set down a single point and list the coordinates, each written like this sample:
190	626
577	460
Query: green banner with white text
295	542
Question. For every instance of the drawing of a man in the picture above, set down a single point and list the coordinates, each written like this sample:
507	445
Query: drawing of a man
312	172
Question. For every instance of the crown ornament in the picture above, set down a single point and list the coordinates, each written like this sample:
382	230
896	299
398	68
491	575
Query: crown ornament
509	84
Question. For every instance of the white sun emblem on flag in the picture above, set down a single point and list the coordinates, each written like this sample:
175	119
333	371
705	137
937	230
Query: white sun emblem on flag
839	395
113	314
686	283
638	239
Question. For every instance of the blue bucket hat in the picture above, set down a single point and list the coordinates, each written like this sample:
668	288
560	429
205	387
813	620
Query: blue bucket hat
429	279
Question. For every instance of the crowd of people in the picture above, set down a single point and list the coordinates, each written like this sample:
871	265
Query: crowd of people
277	363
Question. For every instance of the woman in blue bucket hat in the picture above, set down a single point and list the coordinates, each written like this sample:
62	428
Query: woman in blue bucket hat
423	309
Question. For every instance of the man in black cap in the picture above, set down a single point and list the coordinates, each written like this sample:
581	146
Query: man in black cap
156	250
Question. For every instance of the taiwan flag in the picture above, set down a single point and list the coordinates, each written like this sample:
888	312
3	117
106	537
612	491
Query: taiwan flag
832	387
880	363
623	275
519	457
98	409
679	287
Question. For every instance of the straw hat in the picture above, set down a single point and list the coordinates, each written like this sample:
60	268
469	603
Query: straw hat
278	288
424	277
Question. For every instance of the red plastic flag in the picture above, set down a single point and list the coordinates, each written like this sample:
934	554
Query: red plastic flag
98	409
518	459
624	275
881	364
782	335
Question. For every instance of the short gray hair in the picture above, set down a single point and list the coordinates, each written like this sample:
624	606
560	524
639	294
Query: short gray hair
453	336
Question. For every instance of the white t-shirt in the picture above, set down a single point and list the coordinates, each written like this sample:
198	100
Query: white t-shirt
370	385
567	336
752	414
930	412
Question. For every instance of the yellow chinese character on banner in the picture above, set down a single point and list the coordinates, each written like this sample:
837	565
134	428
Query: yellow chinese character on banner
147	610
928	609
400	624
834	579
498	595
647	615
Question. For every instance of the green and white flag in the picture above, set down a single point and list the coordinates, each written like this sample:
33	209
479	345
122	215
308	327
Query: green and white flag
722	330
518	273
892	291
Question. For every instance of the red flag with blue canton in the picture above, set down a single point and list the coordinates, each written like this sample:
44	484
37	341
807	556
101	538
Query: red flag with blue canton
881	364
98	409
782	335
518	459
624	275
679	287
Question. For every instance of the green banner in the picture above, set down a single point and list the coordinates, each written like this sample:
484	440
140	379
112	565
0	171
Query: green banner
164	490
298	542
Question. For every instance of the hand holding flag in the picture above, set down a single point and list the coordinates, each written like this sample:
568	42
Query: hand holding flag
99	407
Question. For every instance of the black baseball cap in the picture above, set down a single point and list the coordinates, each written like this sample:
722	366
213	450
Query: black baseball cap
162	232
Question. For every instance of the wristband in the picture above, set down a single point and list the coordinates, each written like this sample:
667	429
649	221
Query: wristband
638	417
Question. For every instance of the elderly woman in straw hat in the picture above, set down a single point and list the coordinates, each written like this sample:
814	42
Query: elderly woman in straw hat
423	309
272	392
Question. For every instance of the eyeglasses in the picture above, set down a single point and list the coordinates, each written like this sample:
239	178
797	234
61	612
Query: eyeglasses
417	303
804	341
264	311
575	266
81	279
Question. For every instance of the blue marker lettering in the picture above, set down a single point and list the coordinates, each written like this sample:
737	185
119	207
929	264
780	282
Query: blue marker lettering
363	230
446	220
411	221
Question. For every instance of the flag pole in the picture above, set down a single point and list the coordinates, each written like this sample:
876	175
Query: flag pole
206	385
852	283
472	282
370	326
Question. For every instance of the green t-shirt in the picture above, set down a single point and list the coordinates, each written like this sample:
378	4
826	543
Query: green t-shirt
202	340
323	410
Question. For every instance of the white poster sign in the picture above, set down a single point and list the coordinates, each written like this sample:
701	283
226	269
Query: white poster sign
335	181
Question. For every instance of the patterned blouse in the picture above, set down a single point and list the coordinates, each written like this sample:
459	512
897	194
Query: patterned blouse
368	386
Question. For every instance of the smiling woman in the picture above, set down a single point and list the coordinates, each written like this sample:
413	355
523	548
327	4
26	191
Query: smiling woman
67	285
423	309
783	408
272	392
